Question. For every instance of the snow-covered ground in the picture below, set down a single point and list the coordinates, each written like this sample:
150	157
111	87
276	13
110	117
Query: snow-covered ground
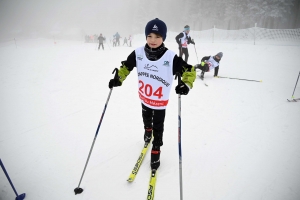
240	139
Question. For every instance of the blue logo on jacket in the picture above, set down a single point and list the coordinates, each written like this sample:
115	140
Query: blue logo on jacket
139	57
166	63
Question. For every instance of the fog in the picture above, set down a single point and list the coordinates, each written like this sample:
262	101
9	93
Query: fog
53	17
68	18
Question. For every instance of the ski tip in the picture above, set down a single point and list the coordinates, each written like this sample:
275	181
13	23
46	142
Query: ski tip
130	180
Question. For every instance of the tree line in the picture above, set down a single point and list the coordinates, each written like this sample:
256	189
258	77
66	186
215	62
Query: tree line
224	14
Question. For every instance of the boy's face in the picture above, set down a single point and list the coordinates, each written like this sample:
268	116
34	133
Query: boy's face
154	40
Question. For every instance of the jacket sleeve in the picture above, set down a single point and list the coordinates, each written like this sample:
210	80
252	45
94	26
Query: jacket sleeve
205	58
126	67
190	41
186	71
177	38
216	71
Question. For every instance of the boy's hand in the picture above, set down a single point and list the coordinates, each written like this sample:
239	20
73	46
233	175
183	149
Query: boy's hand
114	83
182	89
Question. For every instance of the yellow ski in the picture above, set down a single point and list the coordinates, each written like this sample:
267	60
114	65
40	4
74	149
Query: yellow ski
138	163
151	188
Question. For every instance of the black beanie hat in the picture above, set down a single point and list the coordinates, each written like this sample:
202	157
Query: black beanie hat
156	26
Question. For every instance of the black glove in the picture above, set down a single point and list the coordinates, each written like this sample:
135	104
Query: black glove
182	88
193	42
114	83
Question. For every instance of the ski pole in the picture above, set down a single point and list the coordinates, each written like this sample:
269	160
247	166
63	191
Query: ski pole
295	85
79	190
19	197
196	54
239	79
179	137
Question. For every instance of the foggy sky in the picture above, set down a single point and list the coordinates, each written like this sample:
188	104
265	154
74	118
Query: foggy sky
44	16
47	18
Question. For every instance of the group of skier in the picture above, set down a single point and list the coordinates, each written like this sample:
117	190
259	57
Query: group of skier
207	64
156	65
115	40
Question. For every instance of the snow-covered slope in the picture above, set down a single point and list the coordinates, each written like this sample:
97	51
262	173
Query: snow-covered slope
240	139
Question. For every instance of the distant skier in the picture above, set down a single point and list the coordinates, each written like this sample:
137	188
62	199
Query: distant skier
209	63
117	35
183	39
130	39
114	41
125	41
101	40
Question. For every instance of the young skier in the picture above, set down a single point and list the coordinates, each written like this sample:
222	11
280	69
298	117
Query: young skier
130	39
156	65
117	35
114	41
209	63
183	39
125	41
101	40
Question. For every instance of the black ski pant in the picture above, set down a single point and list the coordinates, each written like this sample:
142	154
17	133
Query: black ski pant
184	51
154	119
101	44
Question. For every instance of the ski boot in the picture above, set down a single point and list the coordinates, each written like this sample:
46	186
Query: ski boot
155	154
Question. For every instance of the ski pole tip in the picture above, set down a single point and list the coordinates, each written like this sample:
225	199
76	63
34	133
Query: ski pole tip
78	190
21	196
